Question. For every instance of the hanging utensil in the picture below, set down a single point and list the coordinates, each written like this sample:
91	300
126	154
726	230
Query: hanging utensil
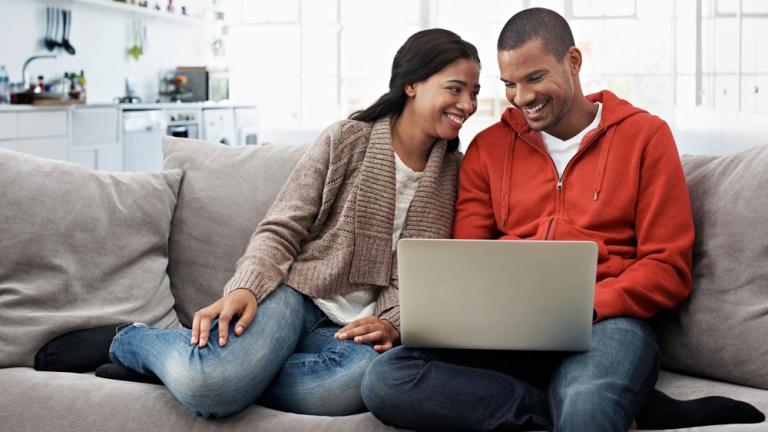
137	49
67	17
55	28
48	42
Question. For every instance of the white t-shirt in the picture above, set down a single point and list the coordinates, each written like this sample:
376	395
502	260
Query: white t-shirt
562	151
343	309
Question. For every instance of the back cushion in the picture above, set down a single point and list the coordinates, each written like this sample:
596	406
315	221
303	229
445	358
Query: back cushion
80	249
721	330
225	193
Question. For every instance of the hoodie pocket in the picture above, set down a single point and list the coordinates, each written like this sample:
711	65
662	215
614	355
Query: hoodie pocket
607	265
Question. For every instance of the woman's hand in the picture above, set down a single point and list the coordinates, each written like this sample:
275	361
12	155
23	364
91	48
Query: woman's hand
240	302
373	330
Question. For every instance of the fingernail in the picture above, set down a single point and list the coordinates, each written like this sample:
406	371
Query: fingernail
239	331
221	341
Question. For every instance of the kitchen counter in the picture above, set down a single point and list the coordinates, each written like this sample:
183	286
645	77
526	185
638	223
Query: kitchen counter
125	107
21	108
28	108
172	105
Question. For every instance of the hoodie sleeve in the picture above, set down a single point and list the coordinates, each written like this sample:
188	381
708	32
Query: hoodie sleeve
660	278
474	209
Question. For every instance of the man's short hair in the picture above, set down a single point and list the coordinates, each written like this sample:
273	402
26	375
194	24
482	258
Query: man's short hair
544	24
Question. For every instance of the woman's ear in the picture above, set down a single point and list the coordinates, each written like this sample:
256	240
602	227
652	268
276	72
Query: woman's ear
410	90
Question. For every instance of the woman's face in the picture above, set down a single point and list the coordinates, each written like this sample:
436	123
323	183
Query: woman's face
441	103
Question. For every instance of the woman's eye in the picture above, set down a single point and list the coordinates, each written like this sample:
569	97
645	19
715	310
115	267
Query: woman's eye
454	90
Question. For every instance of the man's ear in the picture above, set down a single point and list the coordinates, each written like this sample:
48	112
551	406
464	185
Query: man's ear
410	90
573	58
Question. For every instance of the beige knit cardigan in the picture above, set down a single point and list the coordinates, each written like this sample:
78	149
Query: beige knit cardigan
330	229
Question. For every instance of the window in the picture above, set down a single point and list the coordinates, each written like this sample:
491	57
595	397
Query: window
308	63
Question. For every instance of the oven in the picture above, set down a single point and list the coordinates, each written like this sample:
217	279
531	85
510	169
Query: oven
183	122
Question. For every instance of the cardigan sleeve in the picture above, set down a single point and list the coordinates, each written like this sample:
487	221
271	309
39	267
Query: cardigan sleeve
278	238
388	306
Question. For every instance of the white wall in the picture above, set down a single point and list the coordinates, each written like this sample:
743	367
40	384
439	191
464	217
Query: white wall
101	37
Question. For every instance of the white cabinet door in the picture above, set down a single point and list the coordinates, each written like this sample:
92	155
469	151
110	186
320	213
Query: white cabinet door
51	148
95	126
86	158
110	158
7	126
43	124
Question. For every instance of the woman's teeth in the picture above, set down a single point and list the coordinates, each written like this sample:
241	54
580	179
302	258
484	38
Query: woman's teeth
456	119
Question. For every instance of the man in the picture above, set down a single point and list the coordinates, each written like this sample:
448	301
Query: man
559	166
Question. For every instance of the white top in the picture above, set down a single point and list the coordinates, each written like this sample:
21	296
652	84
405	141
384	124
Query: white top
562	151
343	309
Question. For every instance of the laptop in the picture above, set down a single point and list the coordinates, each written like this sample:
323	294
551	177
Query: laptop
496	294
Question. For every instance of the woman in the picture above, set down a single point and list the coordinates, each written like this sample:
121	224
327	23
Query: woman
314	298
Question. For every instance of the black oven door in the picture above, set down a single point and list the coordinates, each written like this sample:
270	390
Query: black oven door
183	131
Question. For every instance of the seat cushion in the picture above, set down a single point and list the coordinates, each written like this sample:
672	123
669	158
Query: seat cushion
225	193
80	249
720	331
43	402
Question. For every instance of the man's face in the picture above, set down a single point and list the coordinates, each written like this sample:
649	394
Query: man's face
538	84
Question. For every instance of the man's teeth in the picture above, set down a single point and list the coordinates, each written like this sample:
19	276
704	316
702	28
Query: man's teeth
536	108
456	119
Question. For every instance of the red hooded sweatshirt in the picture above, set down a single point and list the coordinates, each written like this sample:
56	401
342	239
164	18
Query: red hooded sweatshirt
624	189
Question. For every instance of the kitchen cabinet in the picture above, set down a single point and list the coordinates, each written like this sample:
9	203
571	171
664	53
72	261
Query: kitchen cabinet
42	124
38	132
8	129
96	138
50	148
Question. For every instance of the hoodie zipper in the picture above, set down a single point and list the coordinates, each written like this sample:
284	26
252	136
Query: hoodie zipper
561	177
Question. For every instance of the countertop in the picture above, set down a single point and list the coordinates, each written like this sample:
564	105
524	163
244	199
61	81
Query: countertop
126	107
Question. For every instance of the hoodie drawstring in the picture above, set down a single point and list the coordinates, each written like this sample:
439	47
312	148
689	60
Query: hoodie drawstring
602	163
506	177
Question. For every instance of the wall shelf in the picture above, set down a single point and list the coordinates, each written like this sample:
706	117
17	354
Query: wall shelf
138	10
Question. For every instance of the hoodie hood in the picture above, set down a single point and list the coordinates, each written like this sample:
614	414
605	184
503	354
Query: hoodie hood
615	110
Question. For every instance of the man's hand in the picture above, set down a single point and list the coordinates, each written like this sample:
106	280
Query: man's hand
240	302
373	330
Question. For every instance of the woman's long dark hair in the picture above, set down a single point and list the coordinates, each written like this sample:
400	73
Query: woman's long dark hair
424	54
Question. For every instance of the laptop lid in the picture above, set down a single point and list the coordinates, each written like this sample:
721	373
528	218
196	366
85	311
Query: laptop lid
496	294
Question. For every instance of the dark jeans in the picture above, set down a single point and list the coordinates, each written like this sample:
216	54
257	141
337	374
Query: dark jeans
470	390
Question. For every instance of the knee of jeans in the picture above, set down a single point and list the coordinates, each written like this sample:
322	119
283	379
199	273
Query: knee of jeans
285	293
210	392
340	401
380	387
585	402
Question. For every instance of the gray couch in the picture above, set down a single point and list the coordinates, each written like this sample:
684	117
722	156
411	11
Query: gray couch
80	249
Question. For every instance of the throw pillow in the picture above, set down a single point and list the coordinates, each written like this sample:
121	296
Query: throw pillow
79	249
720	331
225	193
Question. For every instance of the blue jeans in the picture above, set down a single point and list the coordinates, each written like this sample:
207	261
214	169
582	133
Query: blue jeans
286	359
602	389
